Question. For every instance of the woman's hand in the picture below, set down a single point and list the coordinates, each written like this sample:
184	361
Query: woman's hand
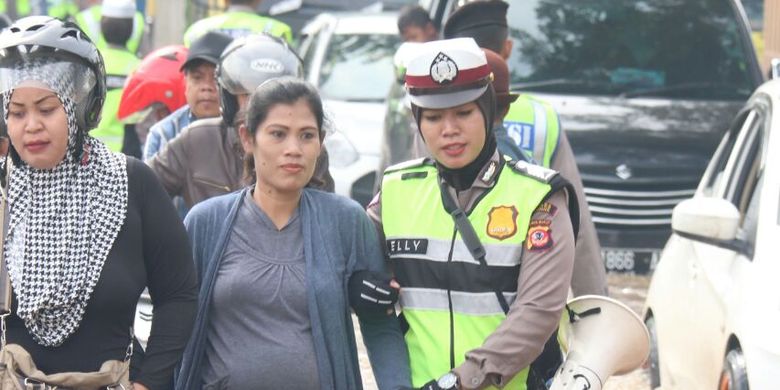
138	386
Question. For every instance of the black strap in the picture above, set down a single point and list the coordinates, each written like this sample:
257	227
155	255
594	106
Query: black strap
468	235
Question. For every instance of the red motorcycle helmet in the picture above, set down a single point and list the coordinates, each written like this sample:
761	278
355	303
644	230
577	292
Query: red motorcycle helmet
157	79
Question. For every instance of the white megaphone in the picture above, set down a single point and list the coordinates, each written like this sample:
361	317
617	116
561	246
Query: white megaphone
600	337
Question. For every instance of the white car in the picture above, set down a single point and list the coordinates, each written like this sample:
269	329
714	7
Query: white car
713	306
349	57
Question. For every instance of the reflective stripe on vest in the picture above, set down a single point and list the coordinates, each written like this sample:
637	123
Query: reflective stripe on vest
534	127
89	21
238	24
440	279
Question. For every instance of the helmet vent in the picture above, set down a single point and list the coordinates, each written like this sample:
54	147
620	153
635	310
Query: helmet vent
15	29
70	33
34	27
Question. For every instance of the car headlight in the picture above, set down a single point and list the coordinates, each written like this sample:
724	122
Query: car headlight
341	152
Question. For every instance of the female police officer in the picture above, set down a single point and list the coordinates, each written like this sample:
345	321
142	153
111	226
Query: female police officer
479	308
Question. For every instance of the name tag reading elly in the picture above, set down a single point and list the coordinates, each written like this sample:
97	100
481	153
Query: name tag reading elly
407	246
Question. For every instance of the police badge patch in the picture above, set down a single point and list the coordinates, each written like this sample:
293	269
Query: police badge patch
443	69
502	222
539	237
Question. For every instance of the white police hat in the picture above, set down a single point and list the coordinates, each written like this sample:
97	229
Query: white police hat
447	73
123	9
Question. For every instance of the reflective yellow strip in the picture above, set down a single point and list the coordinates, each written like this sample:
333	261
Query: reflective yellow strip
474	304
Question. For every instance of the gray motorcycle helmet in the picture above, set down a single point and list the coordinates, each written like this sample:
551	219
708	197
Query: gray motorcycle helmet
44	39
249	61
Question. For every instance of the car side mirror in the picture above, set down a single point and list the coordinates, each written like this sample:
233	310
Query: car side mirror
711	221
709	218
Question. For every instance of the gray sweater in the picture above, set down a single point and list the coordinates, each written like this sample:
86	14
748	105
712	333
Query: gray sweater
338	239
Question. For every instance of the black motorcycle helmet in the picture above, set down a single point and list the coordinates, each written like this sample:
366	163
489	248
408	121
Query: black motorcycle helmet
43	38
249	61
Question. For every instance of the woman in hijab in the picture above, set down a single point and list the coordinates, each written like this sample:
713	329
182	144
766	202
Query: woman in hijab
459	227
87	229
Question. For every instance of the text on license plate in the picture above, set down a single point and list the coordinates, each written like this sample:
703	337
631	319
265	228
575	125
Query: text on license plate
640	261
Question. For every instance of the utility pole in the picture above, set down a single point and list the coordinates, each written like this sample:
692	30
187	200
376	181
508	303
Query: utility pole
169	20
771	32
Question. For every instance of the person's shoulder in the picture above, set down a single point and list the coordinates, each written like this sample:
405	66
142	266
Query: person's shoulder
410	164
533	171
138	169
201	128
528	99
332	203
214	207
139	175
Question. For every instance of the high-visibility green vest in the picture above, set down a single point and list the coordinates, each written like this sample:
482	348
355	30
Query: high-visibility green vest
238	24
534	126
61	9
89	21
55	8
119	64
439	277
22	8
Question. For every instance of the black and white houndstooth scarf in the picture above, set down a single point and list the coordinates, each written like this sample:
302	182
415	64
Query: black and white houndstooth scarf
63	222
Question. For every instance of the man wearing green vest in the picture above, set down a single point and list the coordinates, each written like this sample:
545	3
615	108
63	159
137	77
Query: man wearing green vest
116	23
89	21
534	126
240	19
481	246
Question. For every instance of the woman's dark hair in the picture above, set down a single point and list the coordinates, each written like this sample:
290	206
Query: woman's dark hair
282	90
413	15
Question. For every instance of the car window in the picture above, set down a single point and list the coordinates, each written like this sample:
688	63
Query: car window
755	13
692	49
713	177
307	49
745	164
749	226
358	67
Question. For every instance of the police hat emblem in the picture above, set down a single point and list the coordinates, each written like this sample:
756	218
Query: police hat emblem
443	69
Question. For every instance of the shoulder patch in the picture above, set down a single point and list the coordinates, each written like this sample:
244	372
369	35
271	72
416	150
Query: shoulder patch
539	236
547	208
418	162
537	172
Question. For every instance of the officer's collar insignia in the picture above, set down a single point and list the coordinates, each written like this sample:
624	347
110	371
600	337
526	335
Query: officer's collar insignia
443	69
487	176
502	222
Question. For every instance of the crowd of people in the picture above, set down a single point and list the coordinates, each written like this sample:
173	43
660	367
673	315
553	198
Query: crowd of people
198	172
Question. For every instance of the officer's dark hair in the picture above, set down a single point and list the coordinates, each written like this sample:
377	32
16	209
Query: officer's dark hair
116	30
282	90
412	15
487	37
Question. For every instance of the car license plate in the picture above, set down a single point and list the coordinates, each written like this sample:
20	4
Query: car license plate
640	261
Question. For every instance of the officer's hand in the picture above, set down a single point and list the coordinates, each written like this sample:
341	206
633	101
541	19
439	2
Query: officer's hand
372	290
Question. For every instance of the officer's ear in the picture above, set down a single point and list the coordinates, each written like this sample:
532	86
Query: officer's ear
506	50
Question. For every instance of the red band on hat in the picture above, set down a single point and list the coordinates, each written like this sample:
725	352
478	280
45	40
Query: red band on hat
465	76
